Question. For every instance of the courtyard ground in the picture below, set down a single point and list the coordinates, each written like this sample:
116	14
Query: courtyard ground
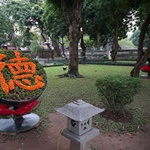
49	139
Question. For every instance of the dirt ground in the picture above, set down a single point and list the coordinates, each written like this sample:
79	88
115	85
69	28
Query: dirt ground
49	139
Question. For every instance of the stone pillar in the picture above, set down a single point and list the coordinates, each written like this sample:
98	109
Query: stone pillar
77	146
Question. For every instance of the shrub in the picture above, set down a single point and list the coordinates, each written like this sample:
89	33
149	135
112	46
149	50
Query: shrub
117	91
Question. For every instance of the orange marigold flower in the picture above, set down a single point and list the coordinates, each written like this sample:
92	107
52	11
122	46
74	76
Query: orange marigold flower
26	81
11	84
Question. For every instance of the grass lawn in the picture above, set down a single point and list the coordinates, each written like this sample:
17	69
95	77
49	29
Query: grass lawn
60	91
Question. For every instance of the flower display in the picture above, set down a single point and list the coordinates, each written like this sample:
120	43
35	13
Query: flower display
6	111
21	78
146	68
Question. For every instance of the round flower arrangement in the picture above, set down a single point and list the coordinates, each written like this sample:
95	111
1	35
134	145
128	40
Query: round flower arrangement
21	77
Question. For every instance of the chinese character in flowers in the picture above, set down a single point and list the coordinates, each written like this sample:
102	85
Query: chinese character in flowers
23	74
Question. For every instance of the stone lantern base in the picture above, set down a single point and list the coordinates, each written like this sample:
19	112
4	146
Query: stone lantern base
80	142
74	146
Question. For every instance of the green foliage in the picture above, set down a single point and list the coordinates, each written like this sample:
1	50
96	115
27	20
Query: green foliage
92	147
117	91
35	47
56	3
54	22
139	118
135	38
26	14
60	91
100	11
94	17
126	43
88	43
6	27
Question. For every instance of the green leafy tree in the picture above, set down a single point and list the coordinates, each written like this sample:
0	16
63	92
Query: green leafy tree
27	14
3	1
19	12
6	28
135	38
143	22
55	26
106	19
36	48
71	11
119	17
94	18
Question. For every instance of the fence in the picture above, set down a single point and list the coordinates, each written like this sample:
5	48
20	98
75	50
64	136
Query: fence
124	54
127	54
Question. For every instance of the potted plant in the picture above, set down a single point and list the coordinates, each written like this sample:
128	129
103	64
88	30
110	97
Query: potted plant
22	81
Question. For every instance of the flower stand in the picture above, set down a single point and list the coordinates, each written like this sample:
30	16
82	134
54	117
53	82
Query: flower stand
22	81
18	119
146	68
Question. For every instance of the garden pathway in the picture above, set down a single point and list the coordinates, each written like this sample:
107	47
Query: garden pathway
48	139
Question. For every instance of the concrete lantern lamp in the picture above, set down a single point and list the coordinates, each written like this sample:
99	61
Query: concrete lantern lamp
79	123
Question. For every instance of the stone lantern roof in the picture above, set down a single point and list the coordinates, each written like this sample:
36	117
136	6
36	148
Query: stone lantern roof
79	110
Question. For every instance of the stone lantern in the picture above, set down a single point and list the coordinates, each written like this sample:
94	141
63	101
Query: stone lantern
79	123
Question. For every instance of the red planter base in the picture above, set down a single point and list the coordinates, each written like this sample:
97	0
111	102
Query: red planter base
145	68
6	110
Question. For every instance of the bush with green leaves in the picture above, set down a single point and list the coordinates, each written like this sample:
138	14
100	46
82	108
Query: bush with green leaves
117	91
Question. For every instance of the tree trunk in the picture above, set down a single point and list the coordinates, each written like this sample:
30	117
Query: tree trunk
98	41
148	59
48	44
115	40
55	44
63	49
136	70
141	58
73	18
83	49
73	55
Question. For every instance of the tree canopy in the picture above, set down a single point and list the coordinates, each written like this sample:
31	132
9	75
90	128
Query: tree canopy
6	28
98	19
72	14
135	38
